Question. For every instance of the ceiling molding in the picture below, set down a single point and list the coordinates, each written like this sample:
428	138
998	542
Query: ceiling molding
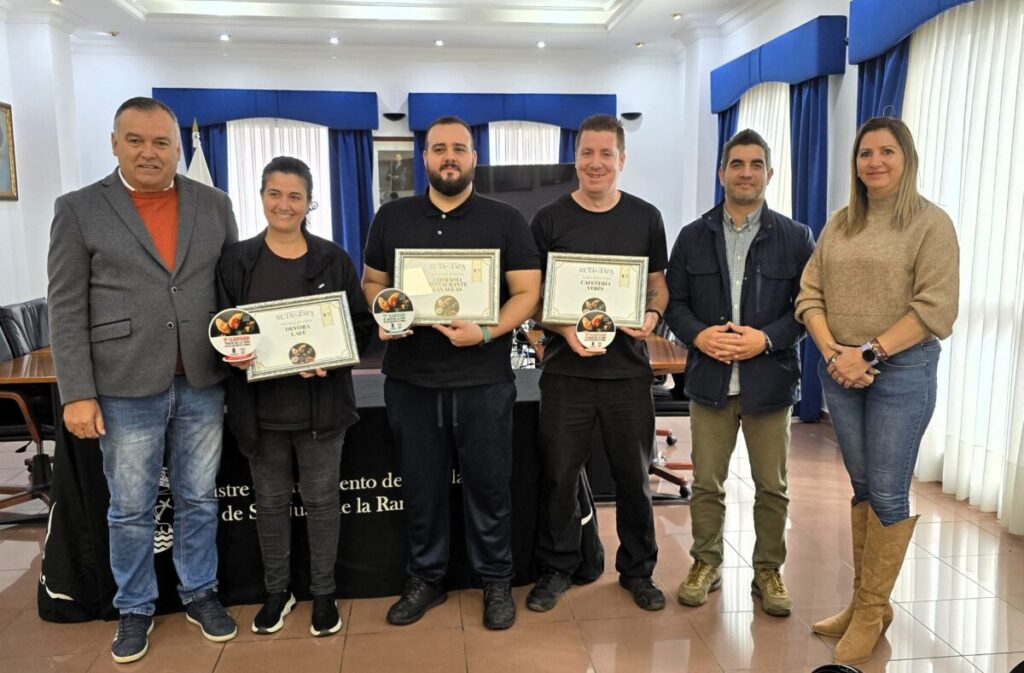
697	28
49	15
740	16
390	11
134	8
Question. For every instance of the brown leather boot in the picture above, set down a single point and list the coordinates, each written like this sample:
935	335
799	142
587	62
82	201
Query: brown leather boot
835	626
884	549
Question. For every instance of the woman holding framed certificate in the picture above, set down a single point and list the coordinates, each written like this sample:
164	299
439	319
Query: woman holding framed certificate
299	417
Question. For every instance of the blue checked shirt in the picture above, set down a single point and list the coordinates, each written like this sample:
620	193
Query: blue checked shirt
737	244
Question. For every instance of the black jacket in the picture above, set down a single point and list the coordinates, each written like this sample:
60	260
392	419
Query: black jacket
698	286
328	269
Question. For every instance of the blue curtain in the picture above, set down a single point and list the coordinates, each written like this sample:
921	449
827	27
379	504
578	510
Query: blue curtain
482	143
567	146
351	156
880	83
808	123
214	139
419	173
727	120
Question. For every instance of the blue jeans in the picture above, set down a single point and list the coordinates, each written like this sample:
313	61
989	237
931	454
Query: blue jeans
187	423
879	428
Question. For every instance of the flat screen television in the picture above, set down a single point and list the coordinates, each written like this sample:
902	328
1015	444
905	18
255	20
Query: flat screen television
527	188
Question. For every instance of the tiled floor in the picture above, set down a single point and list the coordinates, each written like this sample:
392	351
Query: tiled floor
960	602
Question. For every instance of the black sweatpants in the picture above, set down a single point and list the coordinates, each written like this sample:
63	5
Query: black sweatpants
474	423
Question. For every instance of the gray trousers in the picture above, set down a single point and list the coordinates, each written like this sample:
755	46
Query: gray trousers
319	460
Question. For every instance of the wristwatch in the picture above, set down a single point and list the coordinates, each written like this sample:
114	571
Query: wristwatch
873	353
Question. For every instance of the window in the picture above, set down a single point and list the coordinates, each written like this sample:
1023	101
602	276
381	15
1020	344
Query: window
765	109
252	143
518	143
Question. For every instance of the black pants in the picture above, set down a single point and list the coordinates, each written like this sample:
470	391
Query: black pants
623	411
474	424
319	460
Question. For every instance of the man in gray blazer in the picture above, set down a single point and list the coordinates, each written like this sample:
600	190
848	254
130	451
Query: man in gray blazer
131	294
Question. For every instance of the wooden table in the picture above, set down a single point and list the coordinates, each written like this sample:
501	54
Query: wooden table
34	367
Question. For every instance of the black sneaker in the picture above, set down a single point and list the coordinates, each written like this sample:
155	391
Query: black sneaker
544	594
271	616
325	616
499	608
417	597
132	638
206	612
645	594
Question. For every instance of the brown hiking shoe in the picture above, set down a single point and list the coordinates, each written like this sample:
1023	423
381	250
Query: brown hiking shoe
768	586
702	580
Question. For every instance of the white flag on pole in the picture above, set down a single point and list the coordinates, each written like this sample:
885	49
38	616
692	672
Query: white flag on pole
198	170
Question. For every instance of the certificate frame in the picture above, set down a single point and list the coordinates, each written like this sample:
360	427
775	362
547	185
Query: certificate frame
564	301
329	318
425	304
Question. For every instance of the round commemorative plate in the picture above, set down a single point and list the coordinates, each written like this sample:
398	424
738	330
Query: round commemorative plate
392	309
595	330
234	333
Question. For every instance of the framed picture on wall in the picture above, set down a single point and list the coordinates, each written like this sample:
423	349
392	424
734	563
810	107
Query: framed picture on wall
8	169
392	165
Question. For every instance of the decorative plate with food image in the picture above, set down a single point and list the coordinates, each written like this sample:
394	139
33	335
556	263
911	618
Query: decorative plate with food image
392	309
594	304
234	333
302	354
595	330
446	306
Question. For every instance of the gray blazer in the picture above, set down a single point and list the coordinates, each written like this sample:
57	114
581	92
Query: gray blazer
117	315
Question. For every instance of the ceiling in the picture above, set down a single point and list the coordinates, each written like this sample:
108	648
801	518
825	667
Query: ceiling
592	25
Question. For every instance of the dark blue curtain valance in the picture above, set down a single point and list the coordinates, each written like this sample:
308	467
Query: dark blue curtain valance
814	49
566	111
347	110
876	26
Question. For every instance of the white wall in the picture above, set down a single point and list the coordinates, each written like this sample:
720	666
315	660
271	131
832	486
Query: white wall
648	85
41	94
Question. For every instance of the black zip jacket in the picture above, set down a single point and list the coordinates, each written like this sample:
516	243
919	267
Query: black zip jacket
699	296
332	398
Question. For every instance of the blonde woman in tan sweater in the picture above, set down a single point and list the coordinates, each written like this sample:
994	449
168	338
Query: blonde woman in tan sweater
879	291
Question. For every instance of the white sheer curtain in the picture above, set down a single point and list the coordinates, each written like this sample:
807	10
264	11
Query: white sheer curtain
517	143
252	143
765	109
964	103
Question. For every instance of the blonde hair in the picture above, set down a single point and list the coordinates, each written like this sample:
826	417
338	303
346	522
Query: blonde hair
851	219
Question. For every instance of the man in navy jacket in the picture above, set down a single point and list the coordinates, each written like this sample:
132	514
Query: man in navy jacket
733	277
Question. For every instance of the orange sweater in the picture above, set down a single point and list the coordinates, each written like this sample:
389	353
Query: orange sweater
159	212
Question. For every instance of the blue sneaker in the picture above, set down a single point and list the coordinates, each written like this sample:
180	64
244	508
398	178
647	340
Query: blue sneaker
132	638
206	612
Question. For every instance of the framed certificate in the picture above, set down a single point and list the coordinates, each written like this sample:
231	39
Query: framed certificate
302	334
575	284
447	285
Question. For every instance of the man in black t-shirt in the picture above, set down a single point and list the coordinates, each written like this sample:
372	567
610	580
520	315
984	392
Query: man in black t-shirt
450	387
608	389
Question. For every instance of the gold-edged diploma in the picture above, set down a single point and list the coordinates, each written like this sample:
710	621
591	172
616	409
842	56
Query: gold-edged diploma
302	334
576	283
450	284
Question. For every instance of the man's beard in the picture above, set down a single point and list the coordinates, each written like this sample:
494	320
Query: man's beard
451	187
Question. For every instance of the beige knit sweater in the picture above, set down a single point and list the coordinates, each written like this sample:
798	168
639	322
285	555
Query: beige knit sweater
867	282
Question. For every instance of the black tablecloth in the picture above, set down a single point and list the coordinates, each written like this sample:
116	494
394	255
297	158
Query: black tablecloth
76	583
